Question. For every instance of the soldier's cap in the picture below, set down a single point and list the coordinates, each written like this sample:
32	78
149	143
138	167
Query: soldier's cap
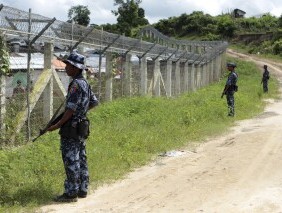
231	64
76	60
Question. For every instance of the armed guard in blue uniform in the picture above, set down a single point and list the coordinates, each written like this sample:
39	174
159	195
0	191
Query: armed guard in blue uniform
74	129
265	78
230	88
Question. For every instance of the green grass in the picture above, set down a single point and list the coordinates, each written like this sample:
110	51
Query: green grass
127	134
245	49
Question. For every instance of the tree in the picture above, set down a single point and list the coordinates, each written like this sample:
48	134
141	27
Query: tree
267	22
277	47
129	15
280	21
112	28
79	14
226	26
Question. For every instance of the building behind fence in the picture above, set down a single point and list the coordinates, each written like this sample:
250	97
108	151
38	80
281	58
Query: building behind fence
118	66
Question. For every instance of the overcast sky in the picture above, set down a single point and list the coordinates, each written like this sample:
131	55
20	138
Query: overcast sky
154	9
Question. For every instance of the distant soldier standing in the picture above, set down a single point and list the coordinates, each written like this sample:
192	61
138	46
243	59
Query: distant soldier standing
230	88
265	78
74	129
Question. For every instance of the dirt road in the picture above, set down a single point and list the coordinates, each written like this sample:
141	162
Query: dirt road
238	172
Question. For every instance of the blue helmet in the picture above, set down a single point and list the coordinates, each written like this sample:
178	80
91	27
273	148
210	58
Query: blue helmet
231	64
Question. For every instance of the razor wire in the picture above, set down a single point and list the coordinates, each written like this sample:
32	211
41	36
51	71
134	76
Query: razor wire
15	22
34	28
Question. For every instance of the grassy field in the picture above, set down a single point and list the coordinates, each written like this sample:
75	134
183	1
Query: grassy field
246	50
126	134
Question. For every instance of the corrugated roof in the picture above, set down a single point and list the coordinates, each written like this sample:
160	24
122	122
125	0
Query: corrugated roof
19	61
59	65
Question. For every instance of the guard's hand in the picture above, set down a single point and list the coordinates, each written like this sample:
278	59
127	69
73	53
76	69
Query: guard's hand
52	128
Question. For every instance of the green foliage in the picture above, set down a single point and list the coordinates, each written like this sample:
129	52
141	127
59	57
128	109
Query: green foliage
126	134
267	22
211	37
14	105
4	58
277	47
194	23
226	26
280	21
222	26
200	26
265	48
261	24
113	28
30	174
129	16
79	14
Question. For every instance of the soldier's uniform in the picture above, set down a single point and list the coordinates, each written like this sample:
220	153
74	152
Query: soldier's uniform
265	78
231	82
79	97
74	129
230	88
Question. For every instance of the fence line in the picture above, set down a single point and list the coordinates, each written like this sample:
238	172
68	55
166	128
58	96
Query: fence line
118	66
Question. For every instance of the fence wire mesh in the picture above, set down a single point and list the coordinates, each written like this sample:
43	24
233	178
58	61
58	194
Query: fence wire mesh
31	92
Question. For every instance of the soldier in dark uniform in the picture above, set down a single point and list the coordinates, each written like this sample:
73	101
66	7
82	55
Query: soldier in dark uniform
230	88
74	130
265	78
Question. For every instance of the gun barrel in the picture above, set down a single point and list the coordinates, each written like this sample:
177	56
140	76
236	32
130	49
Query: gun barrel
50	123
34	139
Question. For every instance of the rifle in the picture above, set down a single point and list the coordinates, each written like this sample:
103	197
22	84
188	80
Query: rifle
224	91
55	118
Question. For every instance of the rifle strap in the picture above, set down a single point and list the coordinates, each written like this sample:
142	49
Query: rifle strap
57	112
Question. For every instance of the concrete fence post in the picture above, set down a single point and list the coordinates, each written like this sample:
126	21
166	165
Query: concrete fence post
193	84
144	75
210	71
156	87
2	102
48	91
198	76
109	77
168	77
186	77
205	74
128	76
177	78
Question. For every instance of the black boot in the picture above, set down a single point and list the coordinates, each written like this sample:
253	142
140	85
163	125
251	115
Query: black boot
65	198
82	194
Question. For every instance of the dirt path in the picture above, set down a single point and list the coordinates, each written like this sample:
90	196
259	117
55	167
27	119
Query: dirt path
238	172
